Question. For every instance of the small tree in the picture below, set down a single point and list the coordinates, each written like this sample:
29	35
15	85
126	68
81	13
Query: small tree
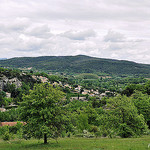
42	111
2	96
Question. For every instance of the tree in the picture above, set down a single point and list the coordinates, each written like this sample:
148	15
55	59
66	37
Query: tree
129	90
82	121
142	103
121	117
147	87
41	109
2	95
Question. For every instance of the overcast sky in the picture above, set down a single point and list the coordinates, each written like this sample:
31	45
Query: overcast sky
118	29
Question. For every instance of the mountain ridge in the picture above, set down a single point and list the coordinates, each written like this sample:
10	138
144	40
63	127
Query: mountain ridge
78	64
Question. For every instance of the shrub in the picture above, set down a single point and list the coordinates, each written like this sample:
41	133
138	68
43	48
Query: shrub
6	136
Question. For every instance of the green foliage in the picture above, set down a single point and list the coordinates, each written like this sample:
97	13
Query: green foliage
2	94
54	78
87	76
8	132
95	130
2	98
20	132
9	115
82	121
47	115
142	103
6	136
42	110
122	118
130	89
10	88
147	88
79	64
5	133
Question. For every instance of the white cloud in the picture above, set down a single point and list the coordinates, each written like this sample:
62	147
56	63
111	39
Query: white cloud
62	27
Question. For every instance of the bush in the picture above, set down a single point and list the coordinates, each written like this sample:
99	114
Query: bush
63	134
6	136
87	134
125	131
95	130
5	133
69	134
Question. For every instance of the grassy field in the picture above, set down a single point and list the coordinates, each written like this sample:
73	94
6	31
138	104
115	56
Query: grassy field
79	144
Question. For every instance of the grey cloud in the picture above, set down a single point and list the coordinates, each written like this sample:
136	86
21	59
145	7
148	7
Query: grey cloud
114	37
78	10
27	43
41	31
80	35
14	25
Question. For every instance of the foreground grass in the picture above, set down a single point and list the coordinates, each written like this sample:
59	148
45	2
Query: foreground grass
79	144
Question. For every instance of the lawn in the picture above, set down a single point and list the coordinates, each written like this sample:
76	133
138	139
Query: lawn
79	144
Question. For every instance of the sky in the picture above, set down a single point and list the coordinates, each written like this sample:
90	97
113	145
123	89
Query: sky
115	29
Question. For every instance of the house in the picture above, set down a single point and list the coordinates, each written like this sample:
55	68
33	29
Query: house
12	106
8	95
103	95
43	79
77	89
10	123
86	92
55	84
96	92
67	85
91	94
2	109
76	98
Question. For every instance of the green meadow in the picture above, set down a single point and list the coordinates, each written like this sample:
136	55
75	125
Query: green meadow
79	144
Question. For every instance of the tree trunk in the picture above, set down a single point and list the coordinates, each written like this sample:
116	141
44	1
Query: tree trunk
45	138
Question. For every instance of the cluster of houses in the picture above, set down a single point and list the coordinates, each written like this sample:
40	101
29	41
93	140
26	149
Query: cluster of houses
84	92
79	89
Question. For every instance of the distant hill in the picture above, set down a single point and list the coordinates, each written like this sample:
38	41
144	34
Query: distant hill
3	58
78	64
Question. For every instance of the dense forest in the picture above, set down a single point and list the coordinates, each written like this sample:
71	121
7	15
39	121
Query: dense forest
78	64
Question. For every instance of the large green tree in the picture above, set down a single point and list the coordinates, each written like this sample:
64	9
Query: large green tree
41	109
121	117
142	103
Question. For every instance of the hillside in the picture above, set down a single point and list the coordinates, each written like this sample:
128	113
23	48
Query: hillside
78	64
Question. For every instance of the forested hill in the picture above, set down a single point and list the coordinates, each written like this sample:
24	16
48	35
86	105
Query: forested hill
78	64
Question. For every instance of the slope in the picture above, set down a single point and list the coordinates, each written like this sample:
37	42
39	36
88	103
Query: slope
78	64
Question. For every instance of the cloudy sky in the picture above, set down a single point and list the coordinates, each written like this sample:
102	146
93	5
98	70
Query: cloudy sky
118	29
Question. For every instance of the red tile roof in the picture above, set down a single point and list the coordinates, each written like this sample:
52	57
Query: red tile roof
10	123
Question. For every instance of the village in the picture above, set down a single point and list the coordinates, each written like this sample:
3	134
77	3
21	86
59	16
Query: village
79	92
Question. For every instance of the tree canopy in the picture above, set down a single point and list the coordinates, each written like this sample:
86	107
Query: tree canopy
121	116
41	109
